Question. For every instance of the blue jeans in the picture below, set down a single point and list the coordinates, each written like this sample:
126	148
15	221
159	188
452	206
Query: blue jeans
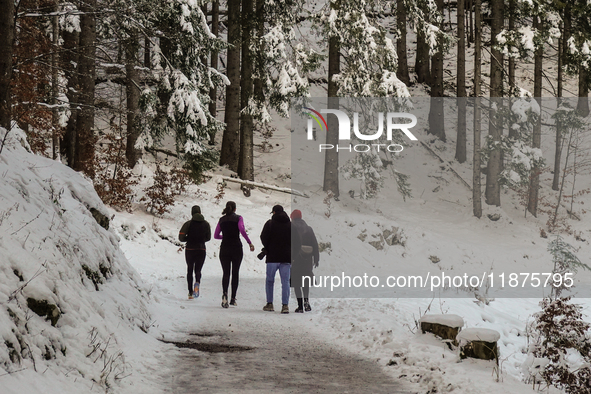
284	272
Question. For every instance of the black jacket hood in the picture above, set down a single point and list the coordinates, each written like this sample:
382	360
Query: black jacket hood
281	217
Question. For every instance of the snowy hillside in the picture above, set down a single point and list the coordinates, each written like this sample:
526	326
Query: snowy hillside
70	301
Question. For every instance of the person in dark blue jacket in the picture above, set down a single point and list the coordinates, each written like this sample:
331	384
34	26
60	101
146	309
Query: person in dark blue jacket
195	232
228	229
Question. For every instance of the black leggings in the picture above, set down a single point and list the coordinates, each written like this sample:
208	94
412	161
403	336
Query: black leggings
195	259
230	259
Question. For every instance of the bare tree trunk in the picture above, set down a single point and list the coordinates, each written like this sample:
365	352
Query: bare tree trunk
231	139
259	93
436	114
213	92
558	139
583	103
85	138
6	47
471	20
534	184
331	159
245	163
422	63
402	71
493	188
55	149
133	99
511	60
461	80
147	53
476	185
69	61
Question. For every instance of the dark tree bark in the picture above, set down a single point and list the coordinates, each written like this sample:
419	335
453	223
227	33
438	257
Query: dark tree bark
331	159
231	139
493	187
461	81
402	71
55	149
245	164
85	138
213	92
583	103
147	53
259	93
534	184
422	60
511	60
476	185
133	99
6	47
436	112
69	60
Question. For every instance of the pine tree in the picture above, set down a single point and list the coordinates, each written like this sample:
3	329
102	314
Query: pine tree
179	105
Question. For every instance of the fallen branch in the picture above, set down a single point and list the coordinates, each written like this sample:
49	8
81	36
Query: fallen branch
447	165
259	185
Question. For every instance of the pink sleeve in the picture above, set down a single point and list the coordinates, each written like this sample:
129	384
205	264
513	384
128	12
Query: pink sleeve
217	234
243	230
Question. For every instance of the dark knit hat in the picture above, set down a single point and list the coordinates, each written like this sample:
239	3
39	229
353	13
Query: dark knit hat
195	209
277	209
296	214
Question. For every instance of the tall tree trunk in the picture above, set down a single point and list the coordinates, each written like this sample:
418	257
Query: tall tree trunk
402	71
493	188
55	149
436	114
558	139
245	164
259	93
471	20
331	159
133	99
476	185
213	91
6	46
85	139
511	60
422	68
534	184
461	80
583	103
147	53
231	139
69	62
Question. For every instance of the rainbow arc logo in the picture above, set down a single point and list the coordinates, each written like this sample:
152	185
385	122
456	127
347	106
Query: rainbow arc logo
316	118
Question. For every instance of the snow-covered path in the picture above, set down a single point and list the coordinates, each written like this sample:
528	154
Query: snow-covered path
287	352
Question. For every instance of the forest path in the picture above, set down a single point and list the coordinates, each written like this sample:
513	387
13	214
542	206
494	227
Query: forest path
244	349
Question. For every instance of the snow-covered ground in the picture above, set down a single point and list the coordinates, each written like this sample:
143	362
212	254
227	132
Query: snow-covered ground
99	340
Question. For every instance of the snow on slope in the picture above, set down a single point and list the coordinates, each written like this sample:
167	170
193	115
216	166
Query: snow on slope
58	261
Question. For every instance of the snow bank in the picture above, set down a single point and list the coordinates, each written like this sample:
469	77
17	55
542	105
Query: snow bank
65	286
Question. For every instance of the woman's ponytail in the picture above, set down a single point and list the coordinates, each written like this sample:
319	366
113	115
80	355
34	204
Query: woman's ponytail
230	208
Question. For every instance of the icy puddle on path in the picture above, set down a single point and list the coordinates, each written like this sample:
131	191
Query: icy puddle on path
246	350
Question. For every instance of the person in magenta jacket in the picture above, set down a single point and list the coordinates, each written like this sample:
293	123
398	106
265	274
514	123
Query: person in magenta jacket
228	229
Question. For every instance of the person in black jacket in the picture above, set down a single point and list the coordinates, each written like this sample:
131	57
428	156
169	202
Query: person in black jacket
277	241
229	228
195	232
304	261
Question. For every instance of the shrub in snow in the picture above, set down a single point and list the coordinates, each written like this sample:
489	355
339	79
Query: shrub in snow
559	347
565	262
